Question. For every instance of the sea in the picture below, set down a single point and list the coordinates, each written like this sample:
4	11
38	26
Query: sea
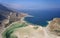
41	17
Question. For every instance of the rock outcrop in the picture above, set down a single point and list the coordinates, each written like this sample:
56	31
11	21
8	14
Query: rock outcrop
53	27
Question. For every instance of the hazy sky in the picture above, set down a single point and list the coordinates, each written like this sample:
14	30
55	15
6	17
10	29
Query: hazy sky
32	4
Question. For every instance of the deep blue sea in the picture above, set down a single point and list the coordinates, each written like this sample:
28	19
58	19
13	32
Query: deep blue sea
42	16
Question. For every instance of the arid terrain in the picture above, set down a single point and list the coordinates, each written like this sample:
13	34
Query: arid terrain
26	30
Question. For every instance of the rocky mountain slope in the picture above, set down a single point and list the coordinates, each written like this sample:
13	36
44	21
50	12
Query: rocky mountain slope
6	14
4	11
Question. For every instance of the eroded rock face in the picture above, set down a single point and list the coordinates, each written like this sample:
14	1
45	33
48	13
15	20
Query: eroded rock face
54	26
